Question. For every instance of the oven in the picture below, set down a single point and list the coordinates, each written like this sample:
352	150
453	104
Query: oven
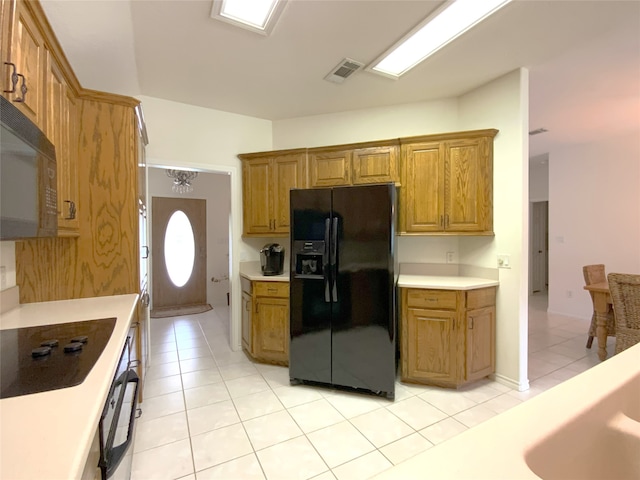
116	427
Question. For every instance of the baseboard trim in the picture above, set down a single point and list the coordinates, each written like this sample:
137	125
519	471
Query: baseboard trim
509	382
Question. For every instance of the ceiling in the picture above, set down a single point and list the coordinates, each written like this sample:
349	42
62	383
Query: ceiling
583	57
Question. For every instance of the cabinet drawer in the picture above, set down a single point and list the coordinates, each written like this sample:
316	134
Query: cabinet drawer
271	289
483	297
438	299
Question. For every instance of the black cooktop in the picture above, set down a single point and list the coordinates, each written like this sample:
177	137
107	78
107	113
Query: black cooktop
50	357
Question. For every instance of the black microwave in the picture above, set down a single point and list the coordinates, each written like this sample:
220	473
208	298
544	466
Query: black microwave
28	178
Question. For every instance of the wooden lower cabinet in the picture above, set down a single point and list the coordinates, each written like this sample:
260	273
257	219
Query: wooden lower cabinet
448	336
265	321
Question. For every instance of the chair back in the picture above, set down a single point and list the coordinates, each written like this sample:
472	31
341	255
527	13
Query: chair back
594	274
625	296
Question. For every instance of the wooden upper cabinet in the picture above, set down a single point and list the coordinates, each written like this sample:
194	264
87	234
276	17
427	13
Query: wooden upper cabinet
6	24
355	164
447	184
468	185
266	181
27	52
422	192
61	108
329	168
376	165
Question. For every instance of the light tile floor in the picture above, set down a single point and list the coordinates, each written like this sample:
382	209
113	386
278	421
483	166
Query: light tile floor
211	413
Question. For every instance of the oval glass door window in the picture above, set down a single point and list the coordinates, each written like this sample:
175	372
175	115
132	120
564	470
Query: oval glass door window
179	248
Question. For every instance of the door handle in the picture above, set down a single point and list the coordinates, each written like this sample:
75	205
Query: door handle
326	261
334	259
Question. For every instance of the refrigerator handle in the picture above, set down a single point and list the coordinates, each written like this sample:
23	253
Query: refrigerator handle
326	260
334	259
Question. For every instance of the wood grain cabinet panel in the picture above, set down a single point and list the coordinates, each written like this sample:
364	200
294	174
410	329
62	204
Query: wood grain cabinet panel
28	54
265	327
447	336
329	168
447	184
267	179
6	28
375	165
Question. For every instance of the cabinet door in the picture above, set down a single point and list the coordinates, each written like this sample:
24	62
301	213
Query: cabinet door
58	128
6	24
288	173
329	169
28	54
271	329
375	165
71	223
481	342
431	345
422	192
255	191
468	179
247	342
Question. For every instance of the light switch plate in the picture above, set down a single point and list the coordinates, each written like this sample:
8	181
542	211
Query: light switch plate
504	261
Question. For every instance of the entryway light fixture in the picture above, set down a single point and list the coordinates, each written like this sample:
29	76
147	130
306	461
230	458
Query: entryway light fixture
259	16
436	31
181	180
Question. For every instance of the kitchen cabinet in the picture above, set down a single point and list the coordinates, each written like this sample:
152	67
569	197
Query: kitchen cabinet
267	179
447	336
61	131
265	321
355	164
26	52
447	184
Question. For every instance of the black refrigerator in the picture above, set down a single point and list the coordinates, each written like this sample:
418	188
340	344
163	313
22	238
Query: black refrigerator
342	288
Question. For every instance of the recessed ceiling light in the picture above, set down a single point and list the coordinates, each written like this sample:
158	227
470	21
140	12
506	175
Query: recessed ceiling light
436	31
256	15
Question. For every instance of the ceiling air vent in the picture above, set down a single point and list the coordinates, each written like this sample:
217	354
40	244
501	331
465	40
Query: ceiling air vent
343	70
538	131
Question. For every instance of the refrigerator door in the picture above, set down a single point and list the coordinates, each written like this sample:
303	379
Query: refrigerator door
363	308
310	303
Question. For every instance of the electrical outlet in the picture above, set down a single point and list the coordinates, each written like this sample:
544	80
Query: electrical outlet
451	257
3	277
569	293
504	261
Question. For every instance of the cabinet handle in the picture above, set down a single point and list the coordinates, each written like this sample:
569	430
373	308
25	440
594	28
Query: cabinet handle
23	90
146	250
470	323
442	221
14	77
72	210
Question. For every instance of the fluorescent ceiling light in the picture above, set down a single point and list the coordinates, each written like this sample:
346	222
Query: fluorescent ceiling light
434	33
256	15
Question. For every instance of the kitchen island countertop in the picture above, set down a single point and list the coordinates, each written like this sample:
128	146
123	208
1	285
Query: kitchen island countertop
48	435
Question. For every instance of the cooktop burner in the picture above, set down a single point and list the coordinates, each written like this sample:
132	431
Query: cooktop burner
49	357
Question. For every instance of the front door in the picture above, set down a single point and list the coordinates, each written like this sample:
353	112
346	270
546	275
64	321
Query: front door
179	252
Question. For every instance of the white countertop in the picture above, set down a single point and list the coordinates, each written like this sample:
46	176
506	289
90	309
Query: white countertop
438	282
497	448
48	435
252	271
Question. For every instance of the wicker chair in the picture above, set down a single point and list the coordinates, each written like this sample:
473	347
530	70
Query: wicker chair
625	294
595	274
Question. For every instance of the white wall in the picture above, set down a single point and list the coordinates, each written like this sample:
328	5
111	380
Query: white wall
183	135
594	216
539	178
215	189
503	104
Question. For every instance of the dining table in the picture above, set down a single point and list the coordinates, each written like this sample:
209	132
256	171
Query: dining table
601	303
